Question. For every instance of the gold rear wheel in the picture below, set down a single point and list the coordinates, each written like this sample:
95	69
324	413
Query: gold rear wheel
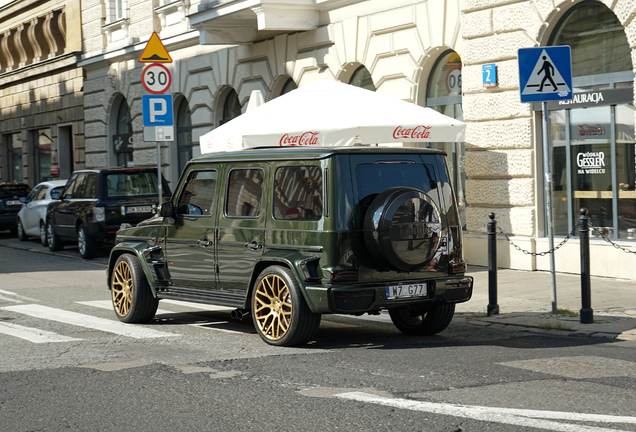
273	307
279	311
122	288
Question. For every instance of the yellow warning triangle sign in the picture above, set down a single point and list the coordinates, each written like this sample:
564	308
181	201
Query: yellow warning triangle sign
155	52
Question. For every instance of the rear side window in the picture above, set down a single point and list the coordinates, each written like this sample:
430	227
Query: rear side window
197	197
41	193
131	183
245	193
377	177
298	193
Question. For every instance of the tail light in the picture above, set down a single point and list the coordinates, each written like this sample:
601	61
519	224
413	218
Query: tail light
458	267
344	275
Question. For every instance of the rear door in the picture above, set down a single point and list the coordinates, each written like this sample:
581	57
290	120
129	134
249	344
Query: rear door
242	224
190	240
29	216
66	212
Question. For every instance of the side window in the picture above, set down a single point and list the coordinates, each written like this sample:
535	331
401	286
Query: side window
41	193
33	194
79	186
244	192
197	197
89	190
298	193
68	189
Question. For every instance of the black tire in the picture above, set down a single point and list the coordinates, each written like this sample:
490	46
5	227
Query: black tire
85	243
423	320
132	298
279	311
52	239
21	234
43	235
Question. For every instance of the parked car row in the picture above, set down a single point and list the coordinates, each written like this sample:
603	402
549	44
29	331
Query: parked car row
87	209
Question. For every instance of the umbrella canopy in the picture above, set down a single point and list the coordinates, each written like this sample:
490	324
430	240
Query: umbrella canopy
330	113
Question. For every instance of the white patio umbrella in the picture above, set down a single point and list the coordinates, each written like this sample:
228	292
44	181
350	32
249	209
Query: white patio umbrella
330	113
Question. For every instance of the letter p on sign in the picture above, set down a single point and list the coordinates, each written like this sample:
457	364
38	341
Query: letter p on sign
157	110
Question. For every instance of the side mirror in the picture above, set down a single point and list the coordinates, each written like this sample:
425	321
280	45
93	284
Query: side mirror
22	200
166	209
55	195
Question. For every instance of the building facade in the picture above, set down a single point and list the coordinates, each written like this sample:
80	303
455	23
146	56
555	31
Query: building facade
430	53
41	109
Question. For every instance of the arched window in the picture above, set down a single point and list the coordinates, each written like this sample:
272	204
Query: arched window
597	40
121	133
591	138
362	78
444	94
288	86
184	147
231	107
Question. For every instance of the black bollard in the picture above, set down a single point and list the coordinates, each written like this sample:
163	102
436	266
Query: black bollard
493	307
587	314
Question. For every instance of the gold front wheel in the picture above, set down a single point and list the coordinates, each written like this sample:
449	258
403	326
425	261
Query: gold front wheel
279	311
133	300
122	288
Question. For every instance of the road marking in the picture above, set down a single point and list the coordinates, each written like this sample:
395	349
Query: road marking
108	305
32	334
16	295
87	321
511	416
201	306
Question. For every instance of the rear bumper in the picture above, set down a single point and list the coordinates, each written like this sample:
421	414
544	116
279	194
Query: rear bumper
361	298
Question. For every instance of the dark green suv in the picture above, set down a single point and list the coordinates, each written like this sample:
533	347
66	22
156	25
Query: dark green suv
288	234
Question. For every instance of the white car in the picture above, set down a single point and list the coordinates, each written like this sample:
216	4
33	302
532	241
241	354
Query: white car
32	216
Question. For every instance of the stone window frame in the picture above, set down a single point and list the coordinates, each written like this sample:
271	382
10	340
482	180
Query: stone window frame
117	22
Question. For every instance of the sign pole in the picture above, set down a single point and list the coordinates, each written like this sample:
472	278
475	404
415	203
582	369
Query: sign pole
548	199
160	188
545	74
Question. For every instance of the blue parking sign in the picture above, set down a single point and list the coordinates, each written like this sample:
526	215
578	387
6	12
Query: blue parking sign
545	74
157	110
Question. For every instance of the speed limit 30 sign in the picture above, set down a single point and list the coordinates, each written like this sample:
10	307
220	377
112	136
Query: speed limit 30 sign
156	78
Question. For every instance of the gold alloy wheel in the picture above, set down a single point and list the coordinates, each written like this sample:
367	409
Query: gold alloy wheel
122	288
272	307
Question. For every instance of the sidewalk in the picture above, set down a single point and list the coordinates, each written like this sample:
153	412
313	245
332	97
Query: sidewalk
525	300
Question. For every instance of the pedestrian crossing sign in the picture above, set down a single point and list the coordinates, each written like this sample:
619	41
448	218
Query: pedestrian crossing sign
545	74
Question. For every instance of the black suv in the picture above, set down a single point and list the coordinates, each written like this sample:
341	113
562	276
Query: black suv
10	204
288	234
96	202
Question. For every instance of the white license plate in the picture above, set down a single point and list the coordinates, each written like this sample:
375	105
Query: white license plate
402	291
13	202
139	209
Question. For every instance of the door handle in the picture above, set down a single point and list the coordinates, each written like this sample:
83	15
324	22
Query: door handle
254	246
205	243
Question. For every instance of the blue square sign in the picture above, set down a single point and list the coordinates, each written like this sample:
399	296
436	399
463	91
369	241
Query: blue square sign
489	75
157	110
545	74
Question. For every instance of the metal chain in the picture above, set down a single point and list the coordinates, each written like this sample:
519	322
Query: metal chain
600	233
541	253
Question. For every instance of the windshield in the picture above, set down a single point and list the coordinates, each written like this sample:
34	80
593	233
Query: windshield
127	184
11	190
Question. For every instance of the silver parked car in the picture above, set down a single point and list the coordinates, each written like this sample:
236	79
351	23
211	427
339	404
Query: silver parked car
32	216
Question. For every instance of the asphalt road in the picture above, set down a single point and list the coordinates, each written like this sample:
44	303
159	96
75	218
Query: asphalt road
67	364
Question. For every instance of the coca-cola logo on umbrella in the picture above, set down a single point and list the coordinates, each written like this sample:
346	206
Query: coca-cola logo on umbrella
418	132
307	138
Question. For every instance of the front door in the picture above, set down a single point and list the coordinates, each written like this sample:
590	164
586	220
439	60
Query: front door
190	241
242	224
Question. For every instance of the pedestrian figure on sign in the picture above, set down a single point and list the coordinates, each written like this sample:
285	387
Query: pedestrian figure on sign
548	70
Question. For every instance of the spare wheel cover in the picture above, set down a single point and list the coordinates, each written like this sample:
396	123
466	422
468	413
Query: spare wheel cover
402	228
